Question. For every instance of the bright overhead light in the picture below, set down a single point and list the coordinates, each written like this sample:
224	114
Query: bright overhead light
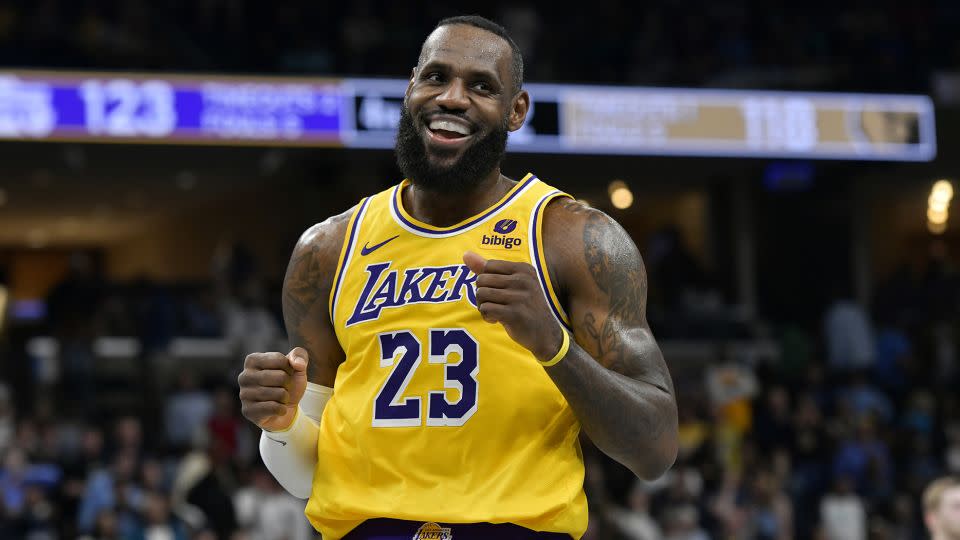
938	204
620	195
622	198
936	228
937	216
615	185
943	188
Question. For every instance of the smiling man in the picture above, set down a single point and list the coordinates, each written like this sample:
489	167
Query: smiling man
454	333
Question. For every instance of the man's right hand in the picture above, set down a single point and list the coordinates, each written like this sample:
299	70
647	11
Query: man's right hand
271	386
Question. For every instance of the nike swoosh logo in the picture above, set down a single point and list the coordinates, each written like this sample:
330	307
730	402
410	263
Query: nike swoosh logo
366	250
276	441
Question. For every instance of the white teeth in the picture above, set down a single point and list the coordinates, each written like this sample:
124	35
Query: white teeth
447	125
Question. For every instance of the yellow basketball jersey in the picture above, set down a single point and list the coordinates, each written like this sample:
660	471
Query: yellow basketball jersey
436	414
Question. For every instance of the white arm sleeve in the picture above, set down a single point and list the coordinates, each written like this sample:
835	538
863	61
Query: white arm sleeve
291	455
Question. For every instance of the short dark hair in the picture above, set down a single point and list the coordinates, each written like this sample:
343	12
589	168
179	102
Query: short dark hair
477	21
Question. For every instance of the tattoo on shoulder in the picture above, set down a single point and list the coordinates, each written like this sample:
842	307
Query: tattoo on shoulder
617	270
616	267
574	206
309	274
305	283
308	280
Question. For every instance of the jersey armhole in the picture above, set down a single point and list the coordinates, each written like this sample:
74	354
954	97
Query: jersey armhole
539	259
349	241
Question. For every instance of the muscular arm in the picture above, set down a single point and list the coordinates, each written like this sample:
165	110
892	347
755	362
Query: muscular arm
614	375
274	388
306	294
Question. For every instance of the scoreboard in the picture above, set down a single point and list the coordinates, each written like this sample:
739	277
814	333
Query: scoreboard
363	113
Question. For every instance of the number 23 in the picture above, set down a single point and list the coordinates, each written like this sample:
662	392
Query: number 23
390	410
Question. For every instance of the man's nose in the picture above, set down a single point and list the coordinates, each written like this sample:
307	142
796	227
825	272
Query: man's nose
454	96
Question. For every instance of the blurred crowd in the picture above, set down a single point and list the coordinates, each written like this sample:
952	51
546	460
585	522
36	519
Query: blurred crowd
834	439
174	459
867	45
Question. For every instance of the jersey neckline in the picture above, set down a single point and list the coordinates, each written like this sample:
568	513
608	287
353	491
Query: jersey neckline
415	226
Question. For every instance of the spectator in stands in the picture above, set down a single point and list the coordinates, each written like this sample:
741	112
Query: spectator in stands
23	491
7	425
229	431
768	512
683	523
114	490
156	312
848	333
894	357
773	424
78	466
863	458
106	527
38	521
268	511
157	522
186	410
842	513
200	494
128	437
201	314
905	526
865	400
920	413
249	324
920	466
941	507
634	522
153	476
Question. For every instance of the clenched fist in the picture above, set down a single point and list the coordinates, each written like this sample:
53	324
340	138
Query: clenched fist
509	293
271	386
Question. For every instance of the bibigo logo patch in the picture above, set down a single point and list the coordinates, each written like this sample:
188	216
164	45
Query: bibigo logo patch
505	226
432	531
499	238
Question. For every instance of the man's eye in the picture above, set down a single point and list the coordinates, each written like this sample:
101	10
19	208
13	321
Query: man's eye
433	77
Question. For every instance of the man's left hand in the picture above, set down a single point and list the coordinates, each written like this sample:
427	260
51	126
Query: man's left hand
509	293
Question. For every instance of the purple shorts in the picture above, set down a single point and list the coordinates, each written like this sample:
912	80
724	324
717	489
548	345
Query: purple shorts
395	529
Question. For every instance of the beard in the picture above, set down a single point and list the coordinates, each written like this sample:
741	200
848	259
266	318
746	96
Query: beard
479	158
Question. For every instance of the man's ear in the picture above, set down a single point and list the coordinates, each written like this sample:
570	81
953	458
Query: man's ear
413	76
518	110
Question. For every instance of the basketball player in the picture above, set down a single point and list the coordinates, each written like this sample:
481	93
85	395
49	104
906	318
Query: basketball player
453	333
941	508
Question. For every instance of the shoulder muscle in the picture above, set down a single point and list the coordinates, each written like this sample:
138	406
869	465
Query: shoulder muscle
306	291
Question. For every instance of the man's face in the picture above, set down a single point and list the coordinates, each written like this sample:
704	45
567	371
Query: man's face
458	109
945	520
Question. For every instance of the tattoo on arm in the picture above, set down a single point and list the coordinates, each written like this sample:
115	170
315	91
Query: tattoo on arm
304	287
303	284
614	378
624	281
